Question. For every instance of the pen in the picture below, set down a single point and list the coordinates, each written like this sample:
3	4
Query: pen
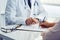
44	26
44	19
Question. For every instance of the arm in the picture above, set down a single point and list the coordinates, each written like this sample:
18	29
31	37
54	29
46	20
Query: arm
47	24
11	12
52	32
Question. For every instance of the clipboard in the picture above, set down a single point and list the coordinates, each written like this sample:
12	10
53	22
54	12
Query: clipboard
31	28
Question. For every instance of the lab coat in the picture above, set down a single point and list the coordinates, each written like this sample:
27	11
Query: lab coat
53	33
17	12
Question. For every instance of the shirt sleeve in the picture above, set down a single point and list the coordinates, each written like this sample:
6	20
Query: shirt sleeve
38	11
11	12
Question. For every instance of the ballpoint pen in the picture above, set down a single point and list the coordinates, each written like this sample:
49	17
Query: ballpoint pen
43	25
44	19
18	26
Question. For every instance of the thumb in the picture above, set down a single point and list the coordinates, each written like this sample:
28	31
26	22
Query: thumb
35	20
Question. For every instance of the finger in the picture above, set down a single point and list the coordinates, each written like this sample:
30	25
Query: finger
29	22
41	24
35	21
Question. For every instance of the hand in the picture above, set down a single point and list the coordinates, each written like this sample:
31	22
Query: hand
46	24
30	21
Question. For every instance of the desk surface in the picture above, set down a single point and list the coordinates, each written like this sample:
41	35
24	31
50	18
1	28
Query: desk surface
24	35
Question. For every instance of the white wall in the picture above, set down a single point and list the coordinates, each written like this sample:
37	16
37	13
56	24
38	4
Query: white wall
51	1
53	11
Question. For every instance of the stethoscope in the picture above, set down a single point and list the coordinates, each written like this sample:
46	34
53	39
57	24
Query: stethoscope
30	2
25	4
36	4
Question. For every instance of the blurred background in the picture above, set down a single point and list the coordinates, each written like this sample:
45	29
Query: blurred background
52	8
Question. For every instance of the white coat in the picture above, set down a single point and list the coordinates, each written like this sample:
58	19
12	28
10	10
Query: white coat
17	11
